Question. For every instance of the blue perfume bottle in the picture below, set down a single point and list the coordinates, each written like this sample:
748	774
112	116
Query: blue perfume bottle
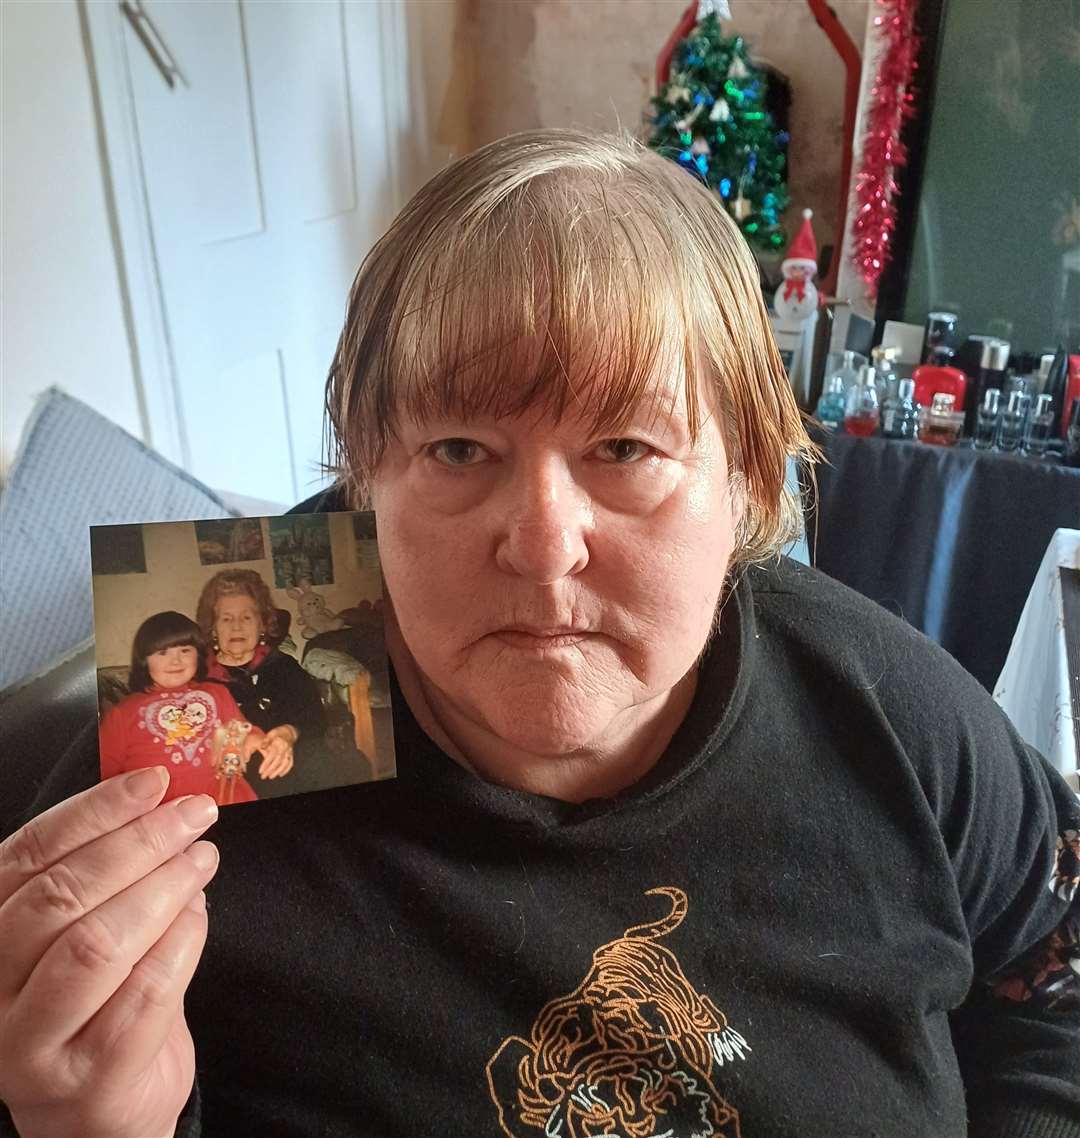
830	408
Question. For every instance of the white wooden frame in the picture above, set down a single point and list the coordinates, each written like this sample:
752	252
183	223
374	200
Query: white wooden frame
137	264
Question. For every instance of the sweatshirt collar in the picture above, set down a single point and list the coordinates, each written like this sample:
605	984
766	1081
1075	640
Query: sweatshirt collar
652	804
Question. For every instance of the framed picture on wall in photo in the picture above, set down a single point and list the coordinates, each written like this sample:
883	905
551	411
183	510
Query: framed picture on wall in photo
221	675
365	547
225	541
117	549
300	548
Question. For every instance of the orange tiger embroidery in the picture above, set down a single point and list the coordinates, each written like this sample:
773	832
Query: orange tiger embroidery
630	1052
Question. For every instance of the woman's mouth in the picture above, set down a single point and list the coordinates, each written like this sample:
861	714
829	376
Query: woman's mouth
540	639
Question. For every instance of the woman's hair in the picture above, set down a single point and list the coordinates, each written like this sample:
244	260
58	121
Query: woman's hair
560	271
233	583
155	634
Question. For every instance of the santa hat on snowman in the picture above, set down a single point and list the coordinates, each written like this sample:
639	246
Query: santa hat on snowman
802	252
797	297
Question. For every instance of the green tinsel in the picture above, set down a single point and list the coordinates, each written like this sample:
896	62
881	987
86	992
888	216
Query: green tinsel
710	118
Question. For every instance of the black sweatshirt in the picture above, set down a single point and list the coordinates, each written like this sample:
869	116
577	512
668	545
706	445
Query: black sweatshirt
841	901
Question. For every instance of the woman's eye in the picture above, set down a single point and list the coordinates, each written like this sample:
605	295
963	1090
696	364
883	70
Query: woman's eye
622	450
457	452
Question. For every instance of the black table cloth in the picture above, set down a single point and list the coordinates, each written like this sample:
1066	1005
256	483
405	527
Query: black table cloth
949	538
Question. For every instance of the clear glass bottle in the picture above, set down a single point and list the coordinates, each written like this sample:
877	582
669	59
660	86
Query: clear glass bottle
882	361
863	411
899	414
831	405
943	423
1040	427
1011	427
848	371
986	419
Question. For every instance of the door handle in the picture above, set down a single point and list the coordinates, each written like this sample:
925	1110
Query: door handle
151	39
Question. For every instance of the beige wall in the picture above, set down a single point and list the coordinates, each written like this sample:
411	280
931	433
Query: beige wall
62	318
174	578
531	63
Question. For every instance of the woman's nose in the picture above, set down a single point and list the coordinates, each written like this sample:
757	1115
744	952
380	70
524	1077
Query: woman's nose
547	521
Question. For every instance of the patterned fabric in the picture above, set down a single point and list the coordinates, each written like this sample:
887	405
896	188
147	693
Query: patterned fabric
175	727
74	469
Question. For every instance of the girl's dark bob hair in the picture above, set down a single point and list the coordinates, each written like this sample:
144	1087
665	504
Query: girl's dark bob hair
158	632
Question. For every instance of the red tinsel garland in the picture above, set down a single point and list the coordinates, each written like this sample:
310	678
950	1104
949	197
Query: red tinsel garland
891	101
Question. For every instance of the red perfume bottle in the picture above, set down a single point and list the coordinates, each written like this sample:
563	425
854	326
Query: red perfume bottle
863	412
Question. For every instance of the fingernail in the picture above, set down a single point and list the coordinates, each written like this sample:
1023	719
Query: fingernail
197	810
146	783
197	904
204	855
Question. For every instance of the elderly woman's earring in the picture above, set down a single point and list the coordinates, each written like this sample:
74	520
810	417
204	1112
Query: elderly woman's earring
262	637
214	645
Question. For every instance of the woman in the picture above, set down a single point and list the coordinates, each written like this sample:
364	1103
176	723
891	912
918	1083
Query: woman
239	620
685	840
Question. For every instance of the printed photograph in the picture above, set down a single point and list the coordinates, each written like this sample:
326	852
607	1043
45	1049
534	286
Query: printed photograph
242	687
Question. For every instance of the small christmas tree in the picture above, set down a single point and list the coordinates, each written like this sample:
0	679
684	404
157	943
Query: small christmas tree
710	117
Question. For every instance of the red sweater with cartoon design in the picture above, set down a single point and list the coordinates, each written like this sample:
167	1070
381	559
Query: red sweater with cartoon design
174	727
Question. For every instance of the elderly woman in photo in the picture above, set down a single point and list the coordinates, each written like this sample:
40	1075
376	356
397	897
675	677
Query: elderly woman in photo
239	620
686	839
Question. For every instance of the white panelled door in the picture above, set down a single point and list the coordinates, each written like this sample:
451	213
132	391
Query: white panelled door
268	175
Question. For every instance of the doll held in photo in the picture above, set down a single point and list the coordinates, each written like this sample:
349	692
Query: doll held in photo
174	715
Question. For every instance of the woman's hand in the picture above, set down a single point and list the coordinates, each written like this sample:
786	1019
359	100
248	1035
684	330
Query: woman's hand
103	920
277	751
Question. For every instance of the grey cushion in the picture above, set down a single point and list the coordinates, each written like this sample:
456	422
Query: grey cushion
74	469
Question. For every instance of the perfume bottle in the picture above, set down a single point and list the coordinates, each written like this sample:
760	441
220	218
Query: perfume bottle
848	371
1040	427
863	411
992	365
882	361
943	423
939	332
830	408
986	419
899	415
1011	427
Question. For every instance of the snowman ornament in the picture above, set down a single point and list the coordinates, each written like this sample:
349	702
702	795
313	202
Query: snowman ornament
796	299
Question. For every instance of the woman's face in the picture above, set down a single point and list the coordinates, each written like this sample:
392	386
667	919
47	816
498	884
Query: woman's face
547	580
237	628
173	667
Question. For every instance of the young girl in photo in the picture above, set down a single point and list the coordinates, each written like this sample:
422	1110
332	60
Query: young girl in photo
175	717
